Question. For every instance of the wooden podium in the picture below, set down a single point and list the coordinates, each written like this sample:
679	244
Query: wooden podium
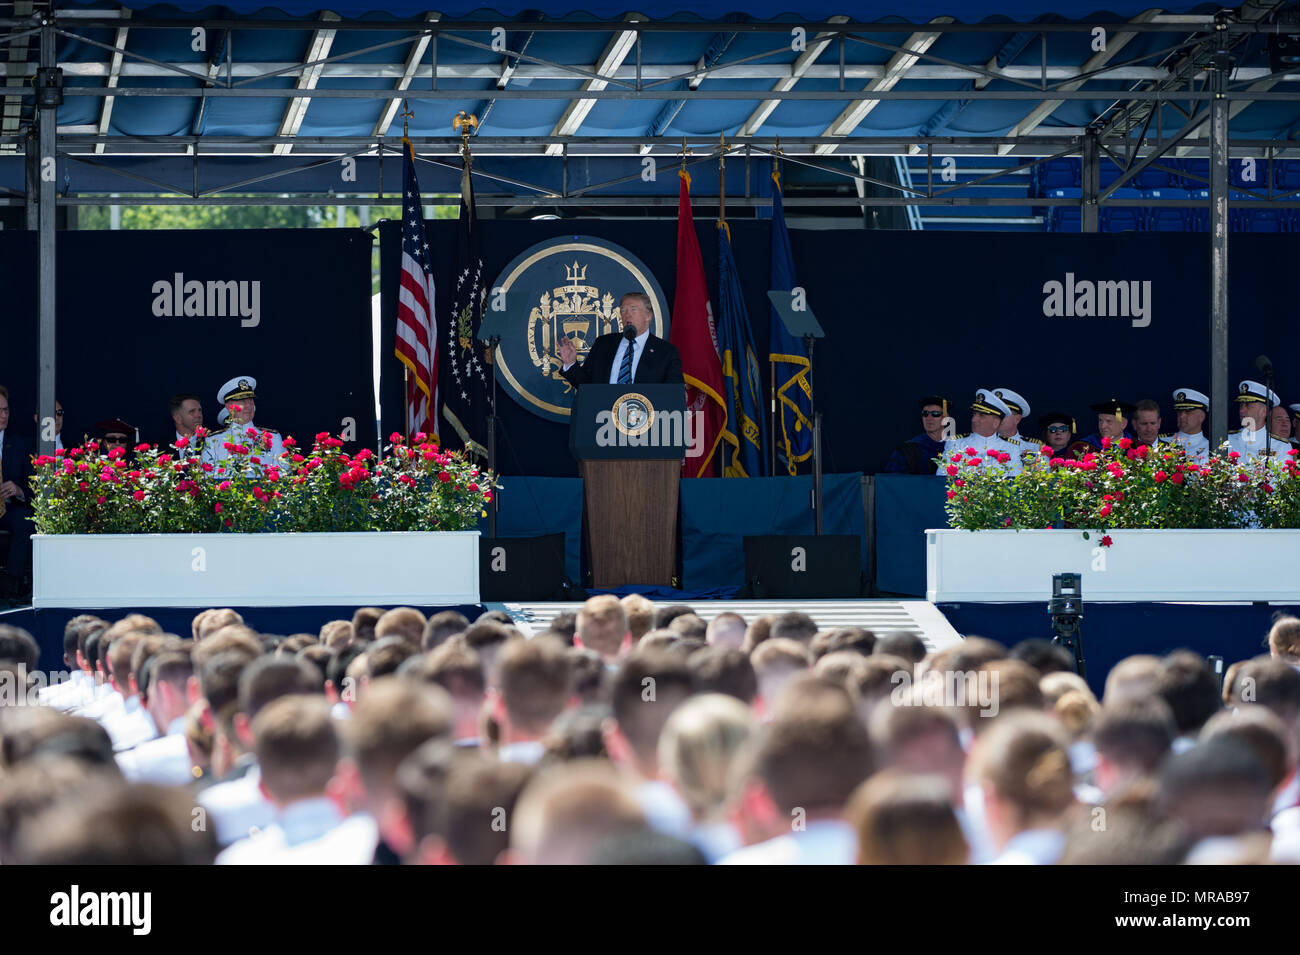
630	441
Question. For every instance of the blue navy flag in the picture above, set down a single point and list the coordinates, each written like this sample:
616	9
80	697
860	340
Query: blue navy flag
417	332
465	364
743	434
793	435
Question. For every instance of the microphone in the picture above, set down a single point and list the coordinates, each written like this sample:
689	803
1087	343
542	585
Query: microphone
1264	365
629	333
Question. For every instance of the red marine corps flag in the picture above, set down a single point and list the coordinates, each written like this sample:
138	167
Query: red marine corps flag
696	337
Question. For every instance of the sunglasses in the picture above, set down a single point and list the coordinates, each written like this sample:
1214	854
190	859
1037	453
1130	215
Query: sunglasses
109	439
931	414
1058	428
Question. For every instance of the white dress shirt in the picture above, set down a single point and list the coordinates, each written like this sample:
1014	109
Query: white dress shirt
165	760
982	446
308	832
237	807
130	726
1033	847
823	842
1196	446
638	349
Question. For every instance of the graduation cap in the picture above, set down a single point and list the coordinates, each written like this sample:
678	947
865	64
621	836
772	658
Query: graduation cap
1120	409
1056	417
111	426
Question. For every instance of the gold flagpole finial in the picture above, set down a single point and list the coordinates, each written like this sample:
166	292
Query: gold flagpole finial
406	115
466	124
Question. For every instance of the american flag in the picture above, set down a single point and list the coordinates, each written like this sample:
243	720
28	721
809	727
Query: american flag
417	338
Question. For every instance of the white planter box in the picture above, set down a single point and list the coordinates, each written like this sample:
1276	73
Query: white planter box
1166	565
255	570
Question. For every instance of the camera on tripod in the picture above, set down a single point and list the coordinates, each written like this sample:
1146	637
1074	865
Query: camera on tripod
1065	610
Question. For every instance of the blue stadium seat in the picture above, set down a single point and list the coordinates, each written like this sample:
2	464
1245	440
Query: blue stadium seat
1260	220
1200	214
1196	167
1151	178
1168	218
1055	174
1237	169
1286	174
1063	218
1123	218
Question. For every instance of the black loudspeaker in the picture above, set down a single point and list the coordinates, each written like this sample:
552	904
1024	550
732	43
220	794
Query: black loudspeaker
522	568
1284	45
804	566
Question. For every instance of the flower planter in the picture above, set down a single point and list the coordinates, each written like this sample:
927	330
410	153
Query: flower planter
1141	565
255	570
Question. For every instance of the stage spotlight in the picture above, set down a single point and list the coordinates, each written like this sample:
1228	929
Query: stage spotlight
1066	612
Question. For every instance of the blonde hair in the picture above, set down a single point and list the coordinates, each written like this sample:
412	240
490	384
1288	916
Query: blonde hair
1284	639
602	624
698	745
1024	758
640	613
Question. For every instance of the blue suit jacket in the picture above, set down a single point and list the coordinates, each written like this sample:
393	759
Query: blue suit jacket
16	461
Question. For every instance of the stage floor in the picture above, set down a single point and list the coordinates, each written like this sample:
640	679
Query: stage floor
881	617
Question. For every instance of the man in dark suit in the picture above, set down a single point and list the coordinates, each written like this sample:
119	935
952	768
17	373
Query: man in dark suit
652	360
16	468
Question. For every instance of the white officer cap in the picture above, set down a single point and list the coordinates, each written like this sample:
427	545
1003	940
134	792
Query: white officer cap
243	386
1295	409
1017	404
223	416
989	403
1254	391
1185	399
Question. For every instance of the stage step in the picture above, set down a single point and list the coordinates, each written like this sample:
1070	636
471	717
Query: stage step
879	616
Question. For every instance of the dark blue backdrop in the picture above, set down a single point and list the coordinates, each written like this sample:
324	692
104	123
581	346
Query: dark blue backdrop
914	313
310	350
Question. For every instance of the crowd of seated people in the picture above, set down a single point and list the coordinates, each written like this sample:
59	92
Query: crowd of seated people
633	733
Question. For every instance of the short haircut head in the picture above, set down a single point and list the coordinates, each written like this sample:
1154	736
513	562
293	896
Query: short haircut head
442	625
269	678
1190	688
641	718
1147	404
1284	639
405	622
667	614
336	634
1260	731
567	810
689	625
535	682
909	646
18	646
457	669
640	613
563	626
1271	683
602	624
477	792
1132	678
1135	734
219	680
176	402
210	621
386	654
794	626
297	746
391	720
726	629
74	634
1216	788
33	733
1043	655
363	623
759	629
816	750
589	673
723	669
906	819
117	825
